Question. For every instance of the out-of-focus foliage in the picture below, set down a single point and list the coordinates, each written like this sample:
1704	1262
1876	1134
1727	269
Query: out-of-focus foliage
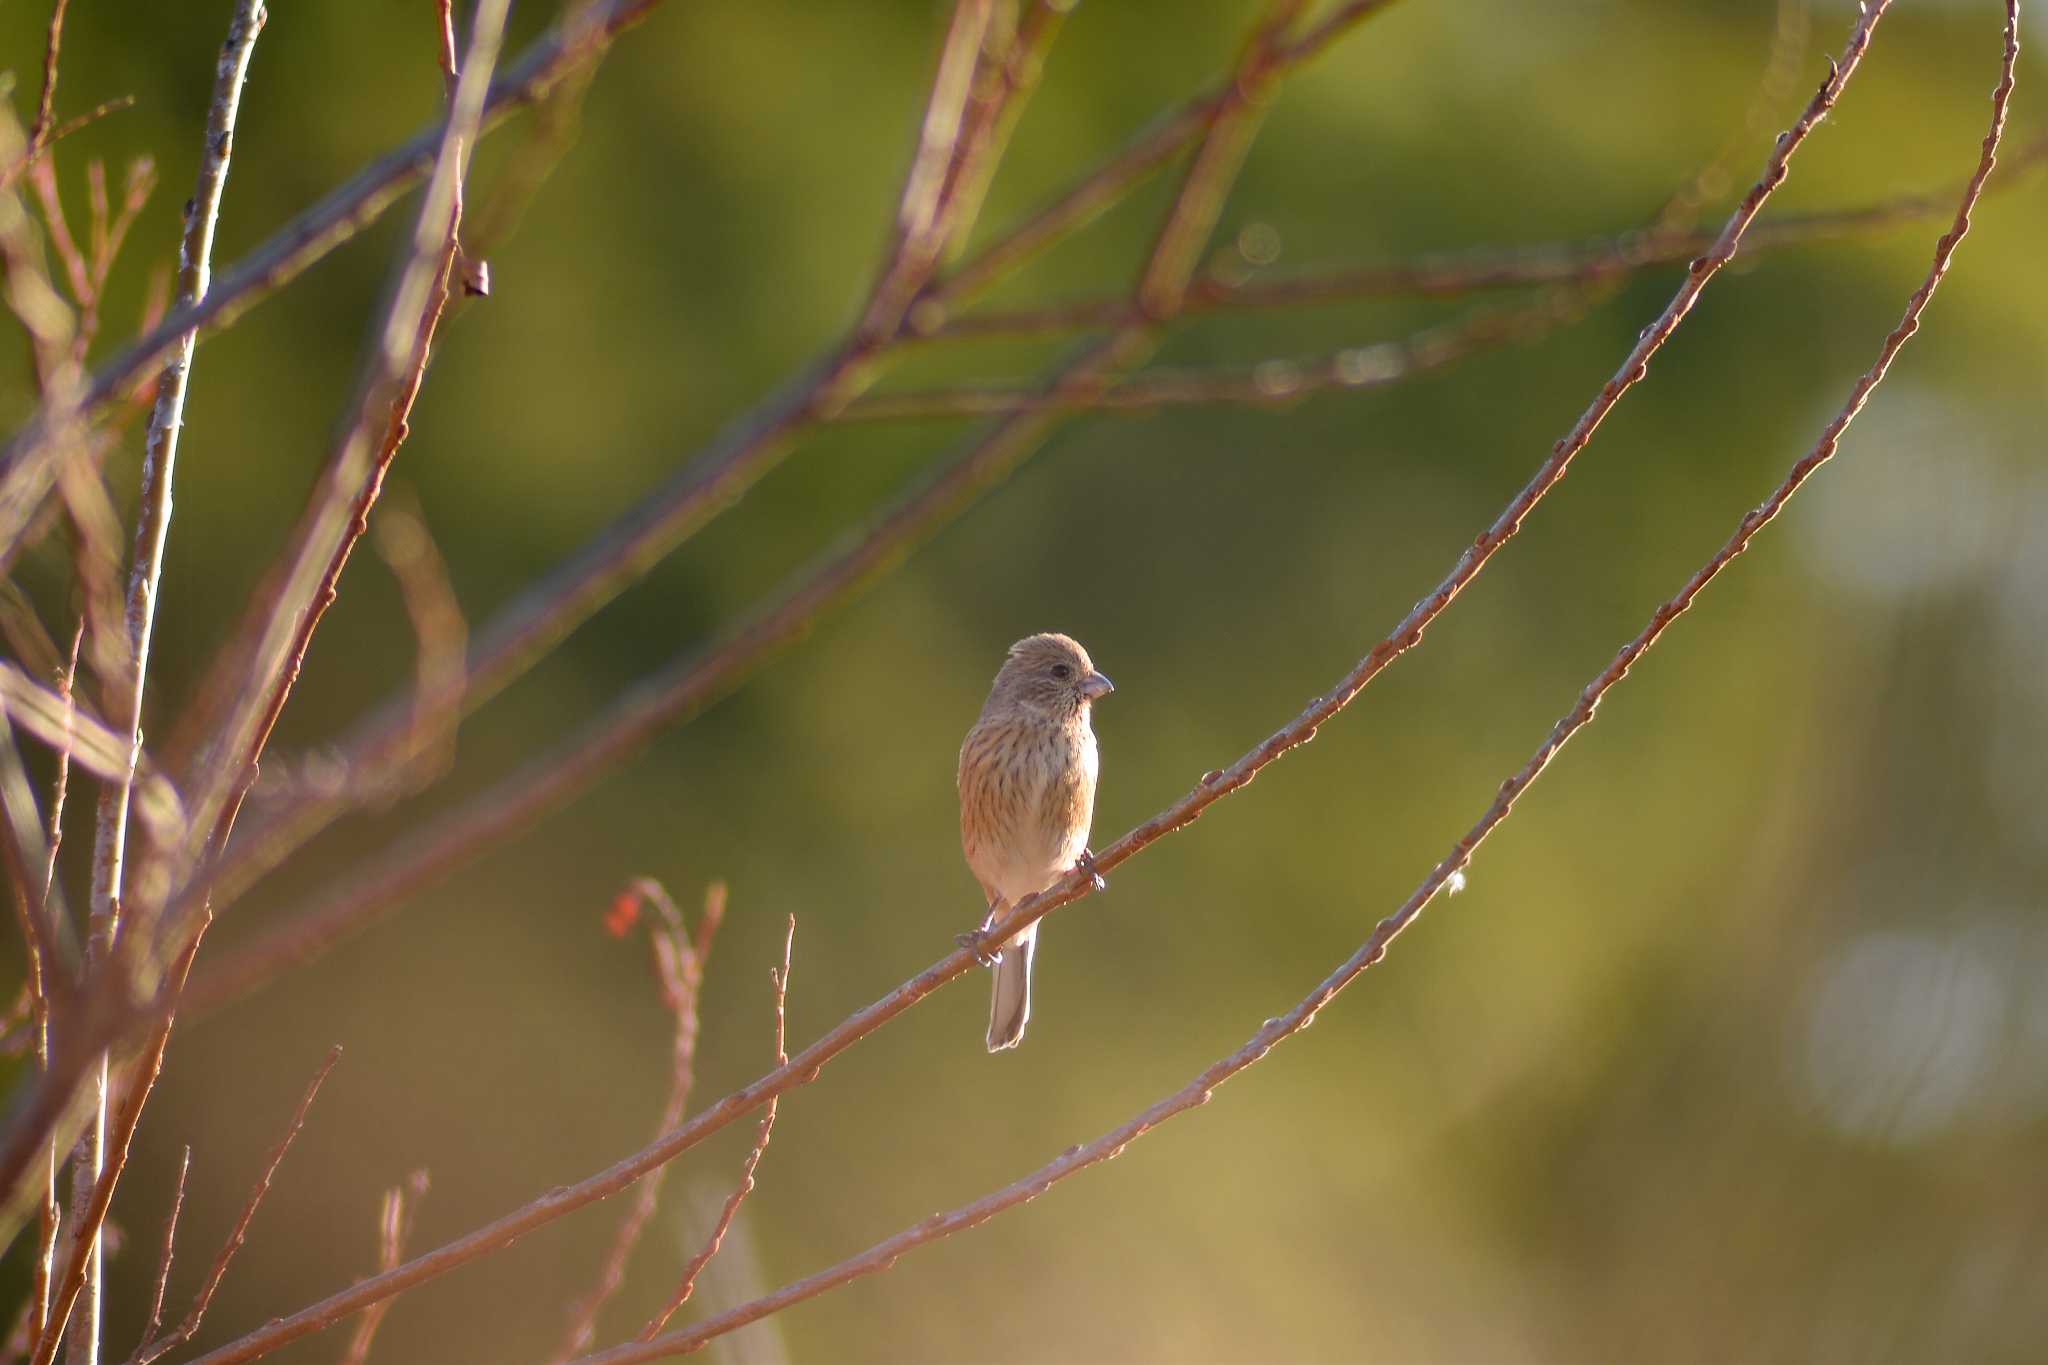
1735	1048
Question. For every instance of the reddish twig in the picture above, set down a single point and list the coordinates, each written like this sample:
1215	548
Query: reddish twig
688	1284
394	1230
1106	184
920	228
46	105
1452	275
679	961
1201	1089
163	1265
1272	382
203	1300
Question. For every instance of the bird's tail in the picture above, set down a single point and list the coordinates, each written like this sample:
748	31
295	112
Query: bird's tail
1010	1003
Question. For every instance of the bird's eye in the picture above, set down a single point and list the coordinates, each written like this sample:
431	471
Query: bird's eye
1062	671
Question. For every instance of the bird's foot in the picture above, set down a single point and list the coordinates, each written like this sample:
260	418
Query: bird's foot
976	942
1086	863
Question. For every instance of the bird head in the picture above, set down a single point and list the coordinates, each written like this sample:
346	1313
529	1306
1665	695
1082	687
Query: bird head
1049	673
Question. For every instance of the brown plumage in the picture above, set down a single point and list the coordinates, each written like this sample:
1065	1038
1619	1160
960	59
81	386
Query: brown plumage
1027	796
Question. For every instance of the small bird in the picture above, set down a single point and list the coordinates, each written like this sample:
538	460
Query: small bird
1027	796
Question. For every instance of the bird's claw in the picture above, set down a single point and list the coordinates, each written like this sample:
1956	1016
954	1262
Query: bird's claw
974	942
1086	863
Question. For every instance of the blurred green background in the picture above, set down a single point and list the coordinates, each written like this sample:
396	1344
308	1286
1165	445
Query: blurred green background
1736	1047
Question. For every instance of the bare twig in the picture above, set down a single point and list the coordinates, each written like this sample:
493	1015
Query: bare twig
920	229
163	1265
1147	152
394	1230
679	962
203	1300
688	1283
1201	1089
1272	382
1454	274
46	105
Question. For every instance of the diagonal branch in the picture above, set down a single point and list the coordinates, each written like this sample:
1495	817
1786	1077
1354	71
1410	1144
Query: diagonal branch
1271	382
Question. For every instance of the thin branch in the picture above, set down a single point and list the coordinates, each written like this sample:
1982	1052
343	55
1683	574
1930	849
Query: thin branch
688	1283
920	230
679	962
216	1272
163	1265
1106	184
1455	274
46	106
1269	383
1201	1089
394	1230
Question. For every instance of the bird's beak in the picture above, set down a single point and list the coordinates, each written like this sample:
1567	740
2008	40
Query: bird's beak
1096	685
